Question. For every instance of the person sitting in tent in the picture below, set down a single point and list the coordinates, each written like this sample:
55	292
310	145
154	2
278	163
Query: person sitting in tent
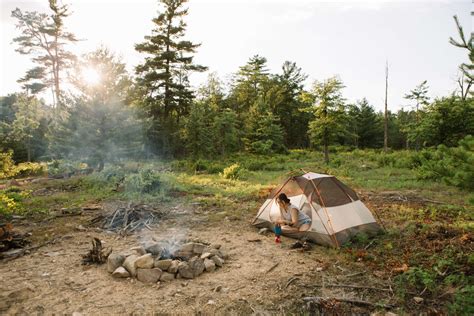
292	218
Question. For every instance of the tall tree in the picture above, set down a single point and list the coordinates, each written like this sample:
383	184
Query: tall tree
100	127
466	68
284	98
249	83
45	38
366	125
164	74
385	120
420	96
26	122
328	113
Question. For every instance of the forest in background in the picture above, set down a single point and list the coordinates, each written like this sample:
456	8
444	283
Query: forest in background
102	114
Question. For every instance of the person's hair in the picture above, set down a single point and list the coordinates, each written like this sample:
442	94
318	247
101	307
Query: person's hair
283	197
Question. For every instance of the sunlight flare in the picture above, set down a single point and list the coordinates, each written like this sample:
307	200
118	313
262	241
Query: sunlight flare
90	75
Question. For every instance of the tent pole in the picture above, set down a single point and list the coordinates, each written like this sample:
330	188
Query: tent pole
327	214
263	208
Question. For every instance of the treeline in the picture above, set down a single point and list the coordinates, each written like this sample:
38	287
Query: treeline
155	111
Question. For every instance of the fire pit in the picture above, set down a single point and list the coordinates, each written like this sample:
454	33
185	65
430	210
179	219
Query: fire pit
166	262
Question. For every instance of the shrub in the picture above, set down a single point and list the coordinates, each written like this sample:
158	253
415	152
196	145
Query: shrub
234	172
6	165
145	181
10	200
29	169
454	166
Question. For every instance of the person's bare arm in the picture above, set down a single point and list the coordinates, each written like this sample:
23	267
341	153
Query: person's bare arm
294	217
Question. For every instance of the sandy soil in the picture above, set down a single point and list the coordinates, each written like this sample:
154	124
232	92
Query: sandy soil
52	279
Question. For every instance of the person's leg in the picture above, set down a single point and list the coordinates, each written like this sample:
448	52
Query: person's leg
304	227
289	228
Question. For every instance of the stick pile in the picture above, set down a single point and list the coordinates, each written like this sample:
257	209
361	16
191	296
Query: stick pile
130	218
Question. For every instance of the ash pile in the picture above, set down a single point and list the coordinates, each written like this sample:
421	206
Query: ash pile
131	218
157	262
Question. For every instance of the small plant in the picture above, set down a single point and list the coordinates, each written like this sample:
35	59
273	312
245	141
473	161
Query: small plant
6	165
145	181
232	172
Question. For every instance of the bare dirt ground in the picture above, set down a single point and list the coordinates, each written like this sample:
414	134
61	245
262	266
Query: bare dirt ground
259	276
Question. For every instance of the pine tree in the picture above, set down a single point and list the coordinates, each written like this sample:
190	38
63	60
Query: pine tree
26	122
164	74
466	69
367	127
226	132
44	37
263	132
420	96
328	112
249	84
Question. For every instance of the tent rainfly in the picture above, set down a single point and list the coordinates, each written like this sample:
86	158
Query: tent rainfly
336	212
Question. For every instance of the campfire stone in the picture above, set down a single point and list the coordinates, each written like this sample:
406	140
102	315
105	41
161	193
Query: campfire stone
145	261
206	255
218	261
209	265
114	261
185	270
163	264
166	276
149	275
120	272
129	264
197	265
154	249
216	246
140	250
173	268
187	247
198	248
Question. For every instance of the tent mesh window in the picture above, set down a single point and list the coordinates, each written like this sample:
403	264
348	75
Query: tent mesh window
332	194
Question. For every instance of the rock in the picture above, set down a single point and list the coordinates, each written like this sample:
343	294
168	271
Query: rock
188	247
418	300
114	261
216	246
166	276
206	255
218	261
173	268
129	264
209	265
163	264
154	249
211	302
149	275
198	248
197	265
120	272
185	270
213	251
139	249
144	262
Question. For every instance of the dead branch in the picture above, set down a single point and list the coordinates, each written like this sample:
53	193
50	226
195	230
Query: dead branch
321	300
97	254
272	267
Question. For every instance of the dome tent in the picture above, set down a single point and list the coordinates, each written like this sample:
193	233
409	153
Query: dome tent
336	212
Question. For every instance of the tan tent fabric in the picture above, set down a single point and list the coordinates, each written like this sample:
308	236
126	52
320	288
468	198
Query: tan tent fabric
336	212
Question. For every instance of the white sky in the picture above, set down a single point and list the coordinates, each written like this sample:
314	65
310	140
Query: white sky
352	39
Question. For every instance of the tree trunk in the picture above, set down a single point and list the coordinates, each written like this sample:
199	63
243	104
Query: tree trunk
385	121
28	150
326	148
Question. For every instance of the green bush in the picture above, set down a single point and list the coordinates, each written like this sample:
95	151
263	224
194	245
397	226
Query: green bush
7	165
30	169
234	172
10	200
454	166
145	181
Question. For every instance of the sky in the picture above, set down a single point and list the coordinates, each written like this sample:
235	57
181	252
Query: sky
350	39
